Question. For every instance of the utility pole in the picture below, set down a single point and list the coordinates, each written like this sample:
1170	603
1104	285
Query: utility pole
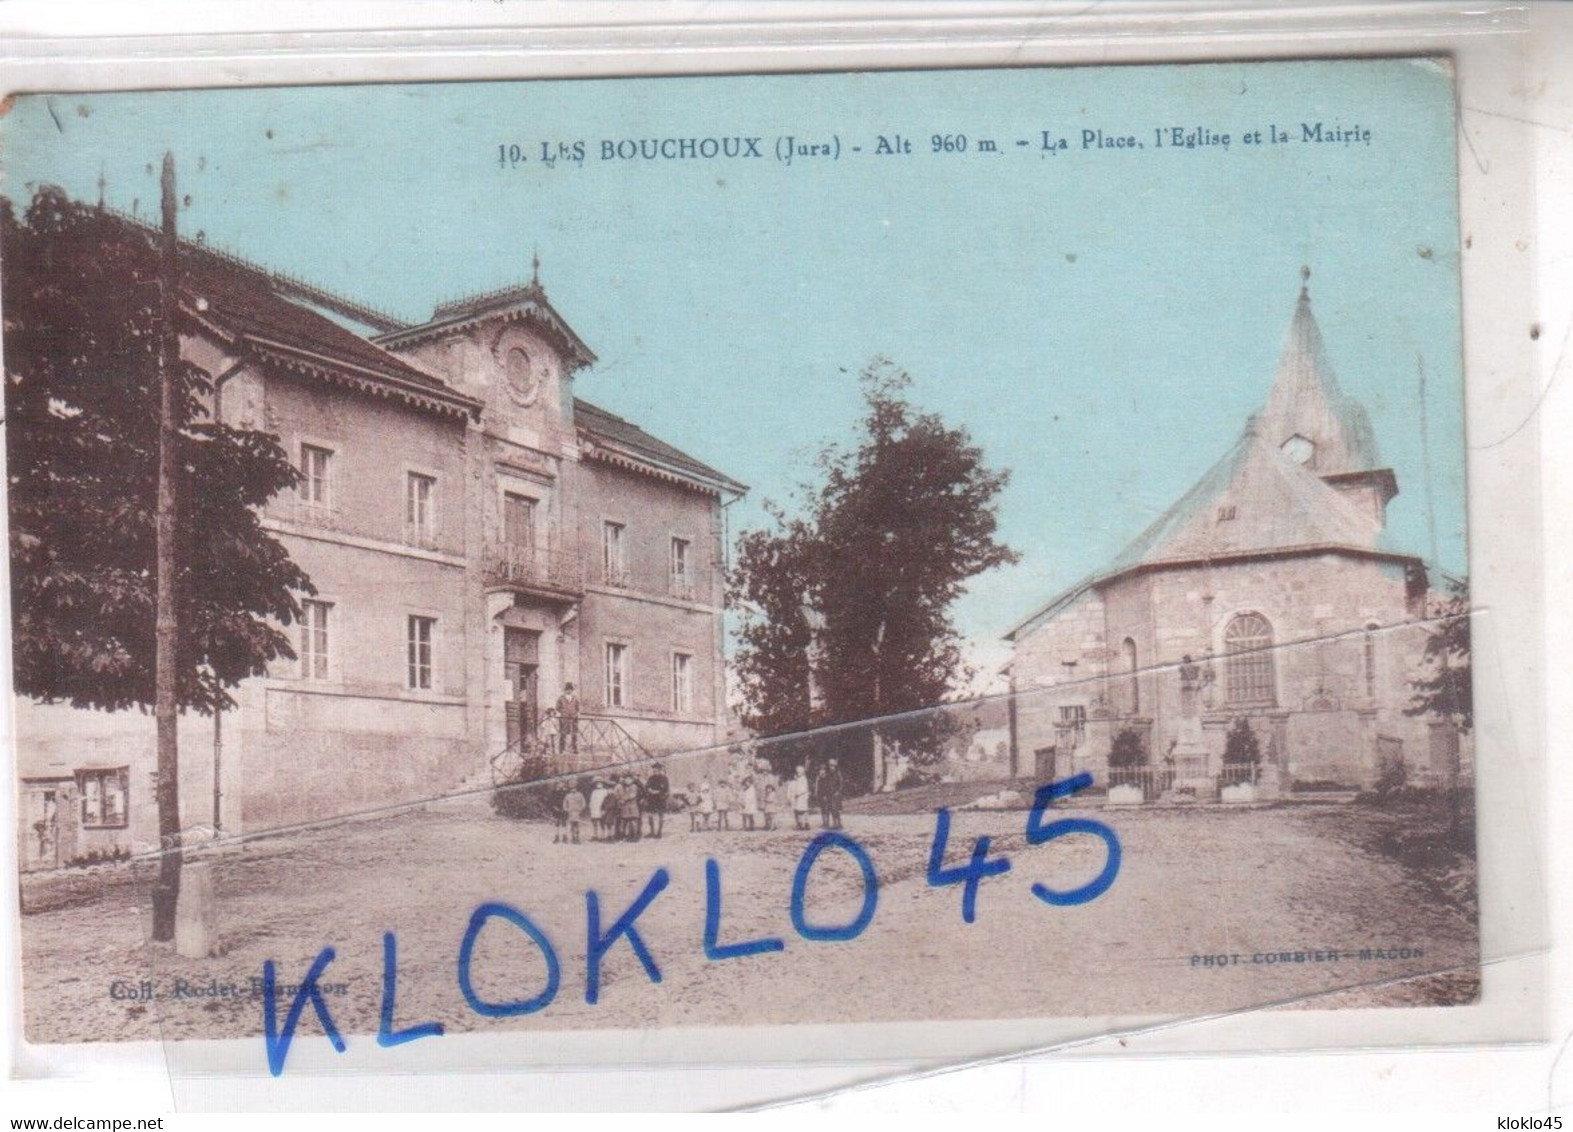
166	891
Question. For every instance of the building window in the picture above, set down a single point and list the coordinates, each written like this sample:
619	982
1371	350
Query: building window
314	639
421	632
682	568
1133	668
103	797
1248	660
315	464
1226	513
614	553
1370	662
518	520
420	520
1072	727
682	683
616	673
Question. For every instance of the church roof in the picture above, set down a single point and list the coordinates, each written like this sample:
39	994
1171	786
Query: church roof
1255	502
1255	499
1258	501
621	436
1306	401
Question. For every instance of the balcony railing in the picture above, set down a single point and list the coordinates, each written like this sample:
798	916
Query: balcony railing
550	569
592	742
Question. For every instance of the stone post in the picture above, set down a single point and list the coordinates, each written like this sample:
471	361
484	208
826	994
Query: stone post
196	913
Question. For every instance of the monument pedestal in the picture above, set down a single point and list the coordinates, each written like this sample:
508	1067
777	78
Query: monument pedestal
1193	773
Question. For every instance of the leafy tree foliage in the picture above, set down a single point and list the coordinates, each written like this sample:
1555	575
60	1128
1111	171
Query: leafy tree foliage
82	417
1241	747
1129	749
880	550
1445	689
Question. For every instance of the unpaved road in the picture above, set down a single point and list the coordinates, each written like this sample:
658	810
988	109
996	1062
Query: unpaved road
1212	882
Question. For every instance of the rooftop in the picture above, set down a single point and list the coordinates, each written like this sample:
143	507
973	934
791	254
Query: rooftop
1268	496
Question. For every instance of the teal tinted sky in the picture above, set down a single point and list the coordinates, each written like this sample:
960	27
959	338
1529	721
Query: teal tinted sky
1102	322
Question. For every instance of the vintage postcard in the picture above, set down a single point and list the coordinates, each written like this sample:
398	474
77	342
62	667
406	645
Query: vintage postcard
726	552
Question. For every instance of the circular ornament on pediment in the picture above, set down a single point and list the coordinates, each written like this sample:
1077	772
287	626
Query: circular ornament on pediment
522	374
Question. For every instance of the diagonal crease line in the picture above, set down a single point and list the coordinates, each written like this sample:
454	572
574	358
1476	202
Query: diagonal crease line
213	845
1429	624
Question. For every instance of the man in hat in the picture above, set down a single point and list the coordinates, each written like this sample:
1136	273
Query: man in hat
567	720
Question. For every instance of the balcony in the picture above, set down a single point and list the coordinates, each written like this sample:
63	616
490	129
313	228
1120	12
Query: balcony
554	572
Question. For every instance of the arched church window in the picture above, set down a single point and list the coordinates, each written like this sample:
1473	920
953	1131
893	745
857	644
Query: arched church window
1248	660
1370	662
1134	694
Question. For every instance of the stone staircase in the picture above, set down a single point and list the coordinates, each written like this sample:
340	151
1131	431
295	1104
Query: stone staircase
603	743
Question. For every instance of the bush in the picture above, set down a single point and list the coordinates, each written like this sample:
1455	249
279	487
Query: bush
1318	785
1128	749
1241	747
99	857
530	795
1391	776
915	777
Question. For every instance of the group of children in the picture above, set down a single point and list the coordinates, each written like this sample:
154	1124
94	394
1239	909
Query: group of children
756	798
619	808
625	808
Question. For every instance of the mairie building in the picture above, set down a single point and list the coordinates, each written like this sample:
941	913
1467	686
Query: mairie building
1270	592
479	536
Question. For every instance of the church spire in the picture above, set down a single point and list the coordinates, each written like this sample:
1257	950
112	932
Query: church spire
1307	415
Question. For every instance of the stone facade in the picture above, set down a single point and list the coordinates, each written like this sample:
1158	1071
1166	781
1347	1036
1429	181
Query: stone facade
1266	594
455	525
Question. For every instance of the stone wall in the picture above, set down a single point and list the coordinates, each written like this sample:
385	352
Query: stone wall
1346	647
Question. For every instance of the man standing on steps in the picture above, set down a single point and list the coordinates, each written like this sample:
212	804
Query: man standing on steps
567	721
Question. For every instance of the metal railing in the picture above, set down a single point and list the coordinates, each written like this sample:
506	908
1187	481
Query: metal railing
536	567
594	741
1153	781
1239	774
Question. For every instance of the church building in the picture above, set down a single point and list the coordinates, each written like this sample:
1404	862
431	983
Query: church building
1269	593
480	538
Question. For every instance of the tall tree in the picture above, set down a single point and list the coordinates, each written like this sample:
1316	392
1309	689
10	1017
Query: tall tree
1444	688
83	403
851	599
